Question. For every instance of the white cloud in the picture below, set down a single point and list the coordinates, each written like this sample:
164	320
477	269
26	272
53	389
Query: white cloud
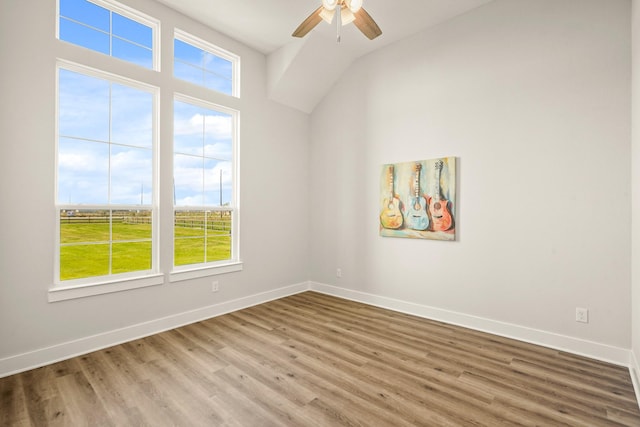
189	201
218	150
216	127
77	161
130	159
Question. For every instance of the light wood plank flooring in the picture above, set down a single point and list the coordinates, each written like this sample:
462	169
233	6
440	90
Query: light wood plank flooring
316	360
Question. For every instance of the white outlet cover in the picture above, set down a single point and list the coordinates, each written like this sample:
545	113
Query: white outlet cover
582	315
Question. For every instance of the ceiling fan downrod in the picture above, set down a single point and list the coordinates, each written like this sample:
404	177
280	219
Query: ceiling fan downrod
338	23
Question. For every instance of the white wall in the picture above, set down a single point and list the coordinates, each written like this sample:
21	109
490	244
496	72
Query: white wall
635	162
274	148
533	99
531	96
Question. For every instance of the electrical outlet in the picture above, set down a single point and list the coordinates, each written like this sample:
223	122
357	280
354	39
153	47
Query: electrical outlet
582	315
214	286
339	272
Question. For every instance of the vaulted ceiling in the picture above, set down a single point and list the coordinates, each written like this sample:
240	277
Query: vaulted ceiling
301	71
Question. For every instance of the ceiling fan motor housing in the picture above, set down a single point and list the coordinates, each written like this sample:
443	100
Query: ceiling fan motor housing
329	4
353	5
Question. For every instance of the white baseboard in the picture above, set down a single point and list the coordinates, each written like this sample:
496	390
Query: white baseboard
634	371
602	352
34	359
45	356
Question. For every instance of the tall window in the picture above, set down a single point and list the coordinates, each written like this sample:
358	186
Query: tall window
105	174
204	182
108	174
110	28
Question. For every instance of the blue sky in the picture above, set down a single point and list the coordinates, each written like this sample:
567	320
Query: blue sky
86	24
106	128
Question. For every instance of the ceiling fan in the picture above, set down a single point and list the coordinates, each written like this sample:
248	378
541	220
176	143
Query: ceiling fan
348	11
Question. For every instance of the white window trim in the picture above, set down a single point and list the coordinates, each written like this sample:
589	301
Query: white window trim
77	288
179	274
63	293
214	50
190	271
132	14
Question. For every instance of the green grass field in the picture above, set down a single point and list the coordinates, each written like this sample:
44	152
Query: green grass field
85	249
189	245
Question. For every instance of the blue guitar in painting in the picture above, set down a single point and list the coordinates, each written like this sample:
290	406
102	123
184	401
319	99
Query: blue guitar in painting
416	216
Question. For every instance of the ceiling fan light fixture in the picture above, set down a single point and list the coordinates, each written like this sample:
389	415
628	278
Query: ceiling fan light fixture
329	4
327	15
354	5
350	11
347	16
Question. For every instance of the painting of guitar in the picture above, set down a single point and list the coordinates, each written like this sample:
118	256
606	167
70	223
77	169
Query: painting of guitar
416	217
417	199
439	209
391	216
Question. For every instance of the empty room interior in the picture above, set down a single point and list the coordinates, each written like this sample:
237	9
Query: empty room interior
320	212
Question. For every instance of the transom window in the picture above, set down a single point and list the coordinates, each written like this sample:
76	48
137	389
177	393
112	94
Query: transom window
203	64
114	30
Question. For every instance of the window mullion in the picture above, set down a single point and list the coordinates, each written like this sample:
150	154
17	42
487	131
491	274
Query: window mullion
109	173
110	241
204	180
110	33
109	140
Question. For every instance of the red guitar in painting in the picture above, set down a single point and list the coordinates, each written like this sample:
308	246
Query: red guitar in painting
391	217
441	219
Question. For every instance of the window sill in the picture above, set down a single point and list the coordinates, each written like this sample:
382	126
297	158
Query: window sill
195	273
62	293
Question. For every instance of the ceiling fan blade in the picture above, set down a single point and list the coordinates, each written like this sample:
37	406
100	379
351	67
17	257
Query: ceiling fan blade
366	24
308	24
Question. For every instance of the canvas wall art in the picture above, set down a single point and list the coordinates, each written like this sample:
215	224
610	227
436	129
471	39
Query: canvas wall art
418	199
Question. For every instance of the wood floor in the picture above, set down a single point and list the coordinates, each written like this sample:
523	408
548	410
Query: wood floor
315	360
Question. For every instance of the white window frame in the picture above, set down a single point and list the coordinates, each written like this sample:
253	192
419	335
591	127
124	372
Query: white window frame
76	288
132	14
120	71
191	271
217	51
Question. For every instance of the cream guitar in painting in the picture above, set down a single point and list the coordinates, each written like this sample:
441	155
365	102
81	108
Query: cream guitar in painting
391	217
416	217
441	219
